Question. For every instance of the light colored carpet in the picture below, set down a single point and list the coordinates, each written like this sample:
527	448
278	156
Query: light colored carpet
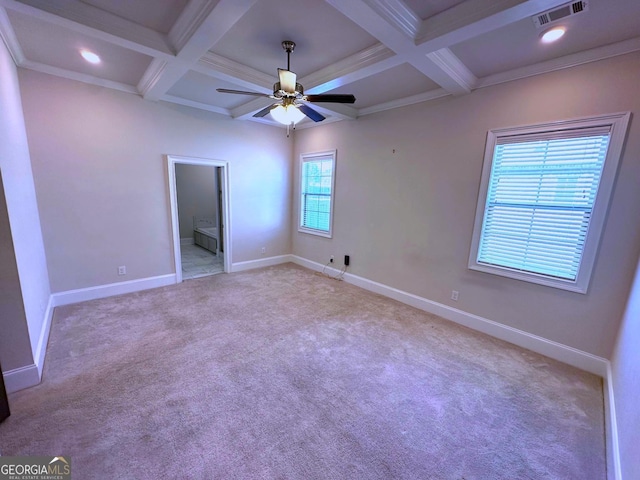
279	373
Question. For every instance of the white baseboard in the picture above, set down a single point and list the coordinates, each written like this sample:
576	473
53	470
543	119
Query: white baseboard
187	241
109	290
263	262
30	375
557	351
563	353
21	378
41	349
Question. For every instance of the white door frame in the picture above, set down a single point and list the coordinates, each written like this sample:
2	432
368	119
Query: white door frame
172	160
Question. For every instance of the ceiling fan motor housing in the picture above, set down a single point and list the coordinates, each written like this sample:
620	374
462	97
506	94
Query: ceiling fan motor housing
288	46
278	92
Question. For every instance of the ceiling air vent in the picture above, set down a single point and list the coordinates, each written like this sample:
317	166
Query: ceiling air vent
550	16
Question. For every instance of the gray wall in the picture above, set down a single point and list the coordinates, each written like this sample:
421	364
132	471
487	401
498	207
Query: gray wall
625	366
24	223
406	218
15	348
102	182
196	192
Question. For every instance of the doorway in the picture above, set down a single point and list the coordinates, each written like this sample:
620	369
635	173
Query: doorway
198	190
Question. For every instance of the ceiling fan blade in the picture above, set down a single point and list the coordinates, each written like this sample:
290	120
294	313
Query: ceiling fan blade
333	98
287	80
264	111
241	92
311	113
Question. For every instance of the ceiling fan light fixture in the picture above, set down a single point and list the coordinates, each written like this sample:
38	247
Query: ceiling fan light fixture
287	115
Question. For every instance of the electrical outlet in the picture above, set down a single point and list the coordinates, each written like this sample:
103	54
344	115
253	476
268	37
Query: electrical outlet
263	250
454	295
122	270
331	259
346	260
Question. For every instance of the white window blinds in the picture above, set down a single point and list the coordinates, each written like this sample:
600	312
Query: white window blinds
540	198
316	193
543	200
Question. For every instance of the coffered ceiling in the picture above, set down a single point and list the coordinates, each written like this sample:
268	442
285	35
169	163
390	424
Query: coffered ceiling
388	53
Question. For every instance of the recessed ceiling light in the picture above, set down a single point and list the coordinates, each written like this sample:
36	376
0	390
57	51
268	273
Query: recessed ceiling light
90	56
553	34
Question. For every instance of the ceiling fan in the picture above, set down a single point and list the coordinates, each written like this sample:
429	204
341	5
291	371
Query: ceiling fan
290	107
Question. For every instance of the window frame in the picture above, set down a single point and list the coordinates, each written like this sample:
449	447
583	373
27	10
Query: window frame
618	122
310	157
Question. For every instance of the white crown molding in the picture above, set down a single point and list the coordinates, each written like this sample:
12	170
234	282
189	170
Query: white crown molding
189	21
86	19
341	111
151	75
568	61
406	101
398	14
9	36
220	67
311	124
80	77
246	110
194	104
460	77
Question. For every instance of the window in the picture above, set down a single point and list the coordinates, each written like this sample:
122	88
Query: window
543	199
317	173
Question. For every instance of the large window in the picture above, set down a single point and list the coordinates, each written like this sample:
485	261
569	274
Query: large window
317	173
543	199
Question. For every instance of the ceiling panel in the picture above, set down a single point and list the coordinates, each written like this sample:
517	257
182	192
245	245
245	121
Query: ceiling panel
159	15
49	44
401	81
518	44
248	35
428	8
322	36
202	88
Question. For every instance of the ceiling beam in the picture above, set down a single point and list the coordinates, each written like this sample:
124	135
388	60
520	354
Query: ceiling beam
425	43
79	77
473	18
222	68
213	27
399	15
380	18
83	18
8	34
369	61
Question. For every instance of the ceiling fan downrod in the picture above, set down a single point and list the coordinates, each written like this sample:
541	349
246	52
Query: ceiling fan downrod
288	46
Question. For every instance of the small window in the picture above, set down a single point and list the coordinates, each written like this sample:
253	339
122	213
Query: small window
317	174
543	200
